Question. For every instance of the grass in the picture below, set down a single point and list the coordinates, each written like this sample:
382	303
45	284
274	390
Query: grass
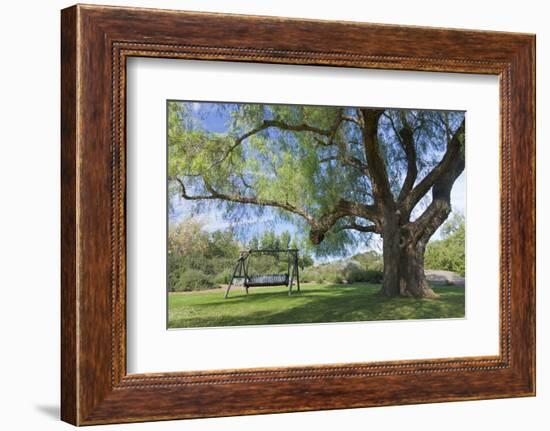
316	303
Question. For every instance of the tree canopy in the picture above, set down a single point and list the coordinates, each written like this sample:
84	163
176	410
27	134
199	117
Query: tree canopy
341	174
306	162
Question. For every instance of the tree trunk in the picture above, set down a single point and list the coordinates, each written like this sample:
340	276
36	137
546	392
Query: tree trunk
404	265
412	280
391	257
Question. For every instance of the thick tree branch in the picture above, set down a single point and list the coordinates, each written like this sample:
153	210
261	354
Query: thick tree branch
343	208
319	226
440	207
454	152
359	227
406	138
377	166
424	227
214	194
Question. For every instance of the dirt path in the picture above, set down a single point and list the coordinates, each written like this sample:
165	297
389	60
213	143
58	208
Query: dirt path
438	276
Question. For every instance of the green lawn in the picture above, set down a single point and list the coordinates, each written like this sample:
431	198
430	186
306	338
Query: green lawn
316	303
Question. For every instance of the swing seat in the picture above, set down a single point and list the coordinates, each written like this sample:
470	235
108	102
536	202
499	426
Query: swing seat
267	280
286	279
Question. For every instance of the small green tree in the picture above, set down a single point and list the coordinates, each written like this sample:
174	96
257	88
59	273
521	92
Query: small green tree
198	259
448	253
254	243
284	239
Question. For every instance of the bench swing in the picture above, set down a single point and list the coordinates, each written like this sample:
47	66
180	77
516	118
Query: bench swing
242	272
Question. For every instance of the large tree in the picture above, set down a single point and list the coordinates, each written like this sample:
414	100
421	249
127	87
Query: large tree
343	173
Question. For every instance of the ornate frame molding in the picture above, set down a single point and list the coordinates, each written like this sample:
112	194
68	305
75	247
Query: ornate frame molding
96	41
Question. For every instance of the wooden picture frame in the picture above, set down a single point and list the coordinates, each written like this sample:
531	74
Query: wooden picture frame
95	43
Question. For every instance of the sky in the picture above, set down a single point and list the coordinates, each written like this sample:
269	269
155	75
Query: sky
213	219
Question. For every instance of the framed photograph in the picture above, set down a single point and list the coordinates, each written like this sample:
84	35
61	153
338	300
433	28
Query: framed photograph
265	215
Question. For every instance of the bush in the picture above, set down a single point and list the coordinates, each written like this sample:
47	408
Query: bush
306	276
359	275
448	253
354	274
223	277
373	276
332	274
370	260
319	278
193	279
334	279
312	275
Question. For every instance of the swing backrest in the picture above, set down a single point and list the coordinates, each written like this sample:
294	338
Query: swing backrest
268	280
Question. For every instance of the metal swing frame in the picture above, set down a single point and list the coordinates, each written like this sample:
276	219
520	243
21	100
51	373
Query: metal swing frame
285	279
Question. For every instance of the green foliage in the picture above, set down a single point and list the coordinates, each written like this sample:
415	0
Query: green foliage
370	260
291	165
284	239
223	277
357	274
267	264
373	276
199	260
361	268
309	275
305	260
274	263
192	279
334	279
449	252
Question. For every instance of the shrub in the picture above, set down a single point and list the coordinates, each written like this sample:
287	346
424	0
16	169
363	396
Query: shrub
354	274
223	277
370	260
373	276
319	278
312	275
335	279
193	279
448	253
337	273
307	276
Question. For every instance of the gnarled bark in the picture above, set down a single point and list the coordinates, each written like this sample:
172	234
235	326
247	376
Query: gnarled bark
404	265
404	247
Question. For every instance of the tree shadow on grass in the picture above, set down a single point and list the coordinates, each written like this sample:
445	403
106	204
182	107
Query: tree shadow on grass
335	303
